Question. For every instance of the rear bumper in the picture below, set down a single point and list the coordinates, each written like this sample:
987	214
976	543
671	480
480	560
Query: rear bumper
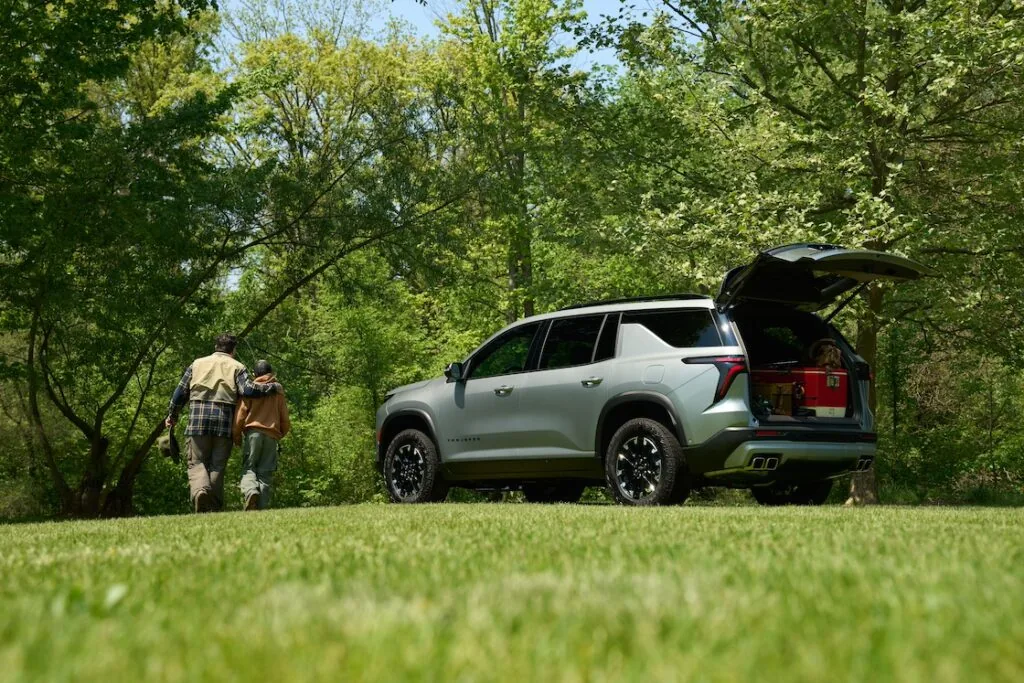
749	457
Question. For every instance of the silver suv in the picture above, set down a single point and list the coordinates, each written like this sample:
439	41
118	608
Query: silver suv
650	397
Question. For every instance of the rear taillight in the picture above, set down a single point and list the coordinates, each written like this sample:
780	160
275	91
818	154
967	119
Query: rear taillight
729	367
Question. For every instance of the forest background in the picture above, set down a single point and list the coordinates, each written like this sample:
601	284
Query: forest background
363	204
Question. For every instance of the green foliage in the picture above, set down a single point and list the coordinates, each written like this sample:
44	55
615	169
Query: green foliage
162	487
953	423
365	207
329	458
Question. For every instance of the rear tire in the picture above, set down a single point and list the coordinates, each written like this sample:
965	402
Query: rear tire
681	491
553	492
643	464
412	469
805	493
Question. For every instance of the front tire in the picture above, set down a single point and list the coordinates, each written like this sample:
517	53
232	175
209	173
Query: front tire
553	492
642	463
806	493
412	469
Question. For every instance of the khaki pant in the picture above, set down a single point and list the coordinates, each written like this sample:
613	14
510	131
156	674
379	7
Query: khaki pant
259	462
207	458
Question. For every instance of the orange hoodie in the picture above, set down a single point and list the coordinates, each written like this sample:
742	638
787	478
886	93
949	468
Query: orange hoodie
269	414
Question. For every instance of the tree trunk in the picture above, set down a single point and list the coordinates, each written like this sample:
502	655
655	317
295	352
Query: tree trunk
118	502
863	485
88	499
520	256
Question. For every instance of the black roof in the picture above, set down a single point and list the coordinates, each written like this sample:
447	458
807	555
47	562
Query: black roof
638	299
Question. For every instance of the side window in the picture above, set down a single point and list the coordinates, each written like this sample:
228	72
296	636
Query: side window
683	329
606	343
506	354
726	330
571	341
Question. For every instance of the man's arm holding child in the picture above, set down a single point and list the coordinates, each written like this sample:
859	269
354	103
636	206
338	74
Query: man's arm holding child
246	387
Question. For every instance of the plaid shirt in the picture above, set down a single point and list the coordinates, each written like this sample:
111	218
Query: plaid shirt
209	417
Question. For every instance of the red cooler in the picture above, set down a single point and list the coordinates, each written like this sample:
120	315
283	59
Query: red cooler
814	391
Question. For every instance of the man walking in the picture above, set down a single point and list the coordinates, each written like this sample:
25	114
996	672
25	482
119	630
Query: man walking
212	386
261	421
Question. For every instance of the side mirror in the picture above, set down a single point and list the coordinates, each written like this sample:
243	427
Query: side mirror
455	372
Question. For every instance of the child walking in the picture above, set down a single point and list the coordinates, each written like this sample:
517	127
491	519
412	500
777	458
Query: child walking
260	422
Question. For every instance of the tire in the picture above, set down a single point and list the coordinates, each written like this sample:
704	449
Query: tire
805	493
681	490
412	469
553	492
642	463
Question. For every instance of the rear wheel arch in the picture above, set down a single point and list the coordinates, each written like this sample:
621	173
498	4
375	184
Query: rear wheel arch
624	407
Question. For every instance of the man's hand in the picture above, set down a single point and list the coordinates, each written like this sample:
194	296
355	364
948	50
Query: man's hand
169	423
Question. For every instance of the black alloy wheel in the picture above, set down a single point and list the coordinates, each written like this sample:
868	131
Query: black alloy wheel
412	469
642	463
638	467
407	470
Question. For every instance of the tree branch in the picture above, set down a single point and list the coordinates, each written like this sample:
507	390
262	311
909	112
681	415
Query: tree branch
964	251
37	420
143	393
61	401
819	60
338	255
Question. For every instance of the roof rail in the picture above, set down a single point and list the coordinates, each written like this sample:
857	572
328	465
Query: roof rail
638	299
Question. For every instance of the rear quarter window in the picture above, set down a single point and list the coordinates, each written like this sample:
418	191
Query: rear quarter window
683	329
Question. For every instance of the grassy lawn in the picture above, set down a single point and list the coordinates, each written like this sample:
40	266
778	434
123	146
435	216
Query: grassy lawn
518	592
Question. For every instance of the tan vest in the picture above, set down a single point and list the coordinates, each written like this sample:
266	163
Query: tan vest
213	378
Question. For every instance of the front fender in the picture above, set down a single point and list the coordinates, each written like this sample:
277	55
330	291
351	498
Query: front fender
417	416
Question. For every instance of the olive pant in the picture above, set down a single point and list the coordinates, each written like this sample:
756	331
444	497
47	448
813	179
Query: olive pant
207	458
259	462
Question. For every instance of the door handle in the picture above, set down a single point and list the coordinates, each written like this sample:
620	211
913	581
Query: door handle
592	381
503	390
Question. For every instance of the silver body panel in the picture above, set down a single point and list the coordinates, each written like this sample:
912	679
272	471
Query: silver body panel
541	415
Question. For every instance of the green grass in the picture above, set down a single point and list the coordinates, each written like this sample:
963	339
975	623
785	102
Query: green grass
518	592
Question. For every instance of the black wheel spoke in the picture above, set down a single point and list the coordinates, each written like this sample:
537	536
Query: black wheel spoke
408	469
638	467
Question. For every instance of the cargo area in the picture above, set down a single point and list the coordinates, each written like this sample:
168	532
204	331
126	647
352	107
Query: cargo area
798	370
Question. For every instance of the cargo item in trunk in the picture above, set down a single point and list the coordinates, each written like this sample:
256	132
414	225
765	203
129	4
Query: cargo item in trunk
824	353
801	392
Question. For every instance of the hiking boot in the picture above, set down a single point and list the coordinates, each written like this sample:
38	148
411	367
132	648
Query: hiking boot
252	502
202	503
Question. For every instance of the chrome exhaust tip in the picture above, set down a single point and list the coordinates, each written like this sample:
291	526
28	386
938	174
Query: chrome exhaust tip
771	463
